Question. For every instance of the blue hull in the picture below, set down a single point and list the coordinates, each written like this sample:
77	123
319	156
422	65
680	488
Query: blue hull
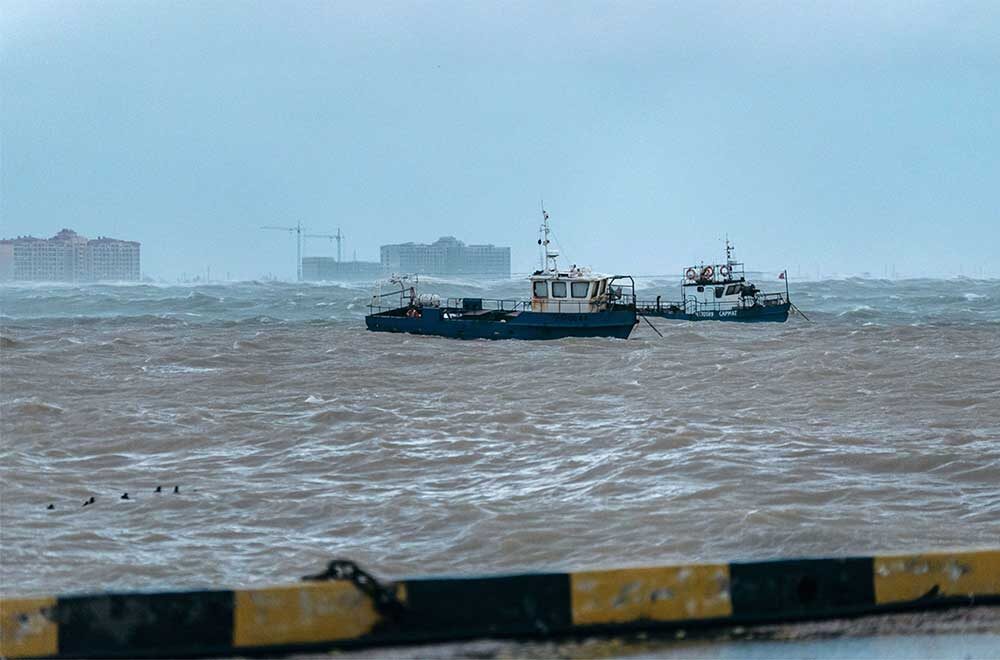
524	325
770	313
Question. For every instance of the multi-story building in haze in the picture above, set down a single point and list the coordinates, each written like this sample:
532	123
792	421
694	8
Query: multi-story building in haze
68	257
447	256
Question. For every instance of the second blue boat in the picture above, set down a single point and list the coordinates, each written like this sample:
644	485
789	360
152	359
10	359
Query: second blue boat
720	292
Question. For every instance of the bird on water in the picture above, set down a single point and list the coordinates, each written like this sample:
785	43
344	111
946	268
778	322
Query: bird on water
124	496
177	489
90	501
50	507
159	489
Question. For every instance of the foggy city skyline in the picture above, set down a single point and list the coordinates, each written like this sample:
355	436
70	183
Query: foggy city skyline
828	139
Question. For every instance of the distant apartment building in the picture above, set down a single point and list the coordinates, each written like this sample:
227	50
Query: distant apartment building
447	256
68	257
319	269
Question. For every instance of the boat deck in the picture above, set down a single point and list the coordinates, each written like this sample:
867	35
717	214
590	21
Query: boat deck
765	307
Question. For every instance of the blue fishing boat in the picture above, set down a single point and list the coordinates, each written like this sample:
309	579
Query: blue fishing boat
720	292
563	303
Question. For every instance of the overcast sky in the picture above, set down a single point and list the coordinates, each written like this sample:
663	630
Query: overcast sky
840	137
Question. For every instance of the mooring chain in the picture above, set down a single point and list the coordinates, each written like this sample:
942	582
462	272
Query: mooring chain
383	598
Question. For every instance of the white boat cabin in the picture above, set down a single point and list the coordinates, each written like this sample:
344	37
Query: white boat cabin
574	291
723	284
723	292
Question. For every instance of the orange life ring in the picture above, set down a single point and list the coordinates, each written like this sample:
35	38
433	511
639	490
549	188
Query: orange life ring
691	273
707	272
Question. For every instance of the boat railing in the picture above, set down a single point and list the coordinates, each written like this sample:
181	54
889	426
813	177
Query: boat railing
487	304
572	306
694	306
770	299
658	305
406	294
548	304
624	292
378	309
473	305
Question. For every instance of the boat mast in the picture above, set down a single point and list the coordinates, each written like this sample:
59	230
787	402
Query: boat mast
543	241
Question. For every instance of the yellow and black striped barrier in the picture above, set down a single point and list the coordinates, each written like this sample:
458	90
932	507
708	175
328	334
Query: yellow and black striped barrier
357	611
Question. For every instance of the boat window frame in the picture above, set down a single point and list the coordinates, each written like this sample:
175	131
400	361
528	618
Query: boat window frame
604	287
720	291
545	289
565	289
732	289
573	287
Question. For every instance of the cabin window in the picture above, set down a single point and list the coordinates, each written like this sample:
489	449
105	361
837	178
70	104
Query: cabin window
558	289
593	289
701	289
731	289
541	291
719	290
579	289
603	285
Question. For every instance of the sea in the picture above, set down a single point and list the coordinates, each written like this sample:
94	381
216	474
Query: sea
293	436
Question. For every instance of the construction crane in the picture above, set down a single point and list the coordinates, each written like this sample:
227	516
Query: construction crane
339	237
297	230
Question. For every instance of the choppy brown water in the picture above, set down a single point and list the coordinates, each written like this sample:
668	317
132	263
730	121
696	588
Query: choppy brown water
296	436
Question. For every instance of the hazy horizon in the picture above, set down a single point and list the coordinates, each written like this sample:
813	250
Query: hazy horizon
830	139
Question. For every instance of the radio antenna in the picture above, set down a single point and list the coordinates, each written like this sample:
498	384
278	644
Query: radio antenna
546	255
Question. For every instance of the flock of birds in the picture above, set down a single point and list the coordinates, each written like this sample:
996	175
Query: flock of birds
92	499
